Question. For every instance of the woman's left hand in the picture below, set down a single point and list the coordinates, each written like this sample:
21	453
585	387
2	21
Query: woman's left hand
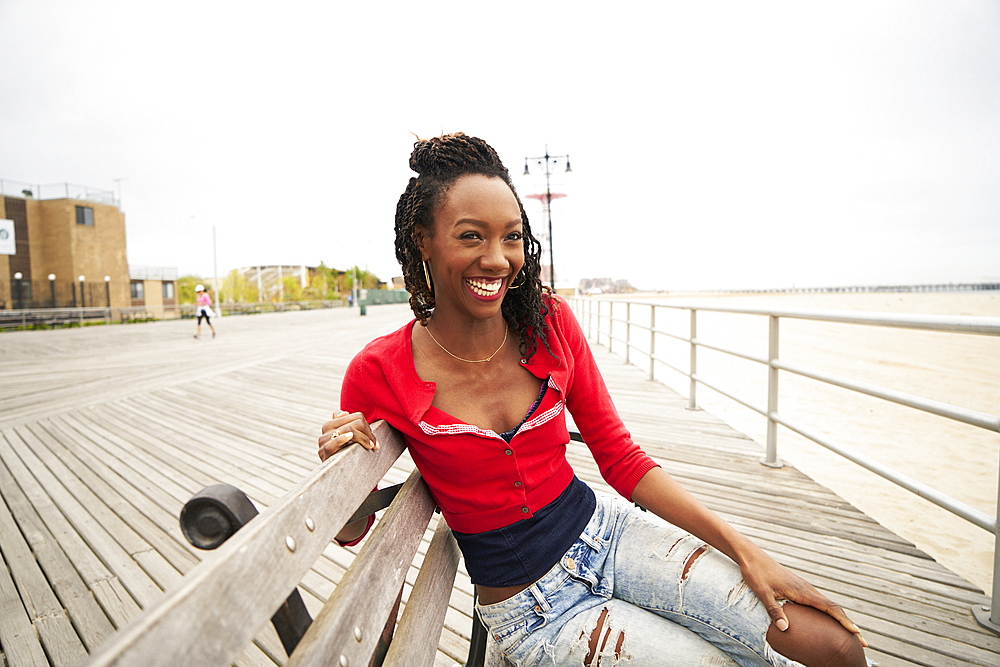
774	583
344	429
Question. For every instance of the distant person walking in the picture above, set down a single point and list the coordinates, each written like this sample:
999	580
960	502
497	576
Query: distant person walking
204	309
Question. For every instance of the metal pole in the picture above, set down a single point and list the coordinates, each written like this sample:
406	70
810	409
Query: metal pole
215	266
548	204
989	616
600	307
548	211
652	340
692	376
52	288
995	603
771	456
628	330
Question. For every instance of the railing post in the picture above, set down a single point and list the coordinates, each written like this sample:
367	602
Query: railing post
600	304
771	456
693	364
590	318
989	617
628	330
611	308
611	323
652	340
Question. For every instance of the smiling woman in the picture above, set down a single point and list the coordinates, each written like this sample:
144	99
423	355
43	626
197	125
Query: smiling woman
480	390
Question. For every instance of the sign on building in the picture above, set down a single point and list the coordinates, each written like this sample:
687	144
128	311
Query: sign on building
7	246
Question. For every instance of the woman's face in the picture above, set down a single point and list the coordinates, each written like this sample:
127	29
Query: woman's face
476	246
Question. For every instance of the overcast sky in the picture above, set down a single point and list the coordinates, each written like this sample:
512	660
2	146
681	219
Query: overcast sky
713	144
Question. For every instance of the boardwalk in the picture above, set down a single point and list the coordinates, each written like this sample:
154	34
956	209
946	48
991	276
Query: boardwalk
106	431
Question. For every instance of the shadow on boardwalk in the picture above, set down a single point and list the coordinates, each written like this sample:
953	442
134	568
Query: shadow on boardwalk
106	431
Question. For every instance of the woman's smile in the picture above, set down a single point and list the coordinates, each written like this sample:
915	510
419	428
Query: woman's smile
485	288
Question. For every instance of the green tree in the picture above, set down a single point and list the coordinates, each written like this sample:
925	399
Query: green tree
237	288
292	288
322	283
365	279
185	288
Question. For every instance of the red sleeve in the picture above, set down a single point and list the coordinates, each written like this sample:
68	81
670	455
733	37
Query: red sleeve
354	398
371	522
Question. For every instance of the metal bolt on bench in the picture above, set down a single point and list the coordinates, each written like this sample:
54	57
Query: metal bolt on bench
216	512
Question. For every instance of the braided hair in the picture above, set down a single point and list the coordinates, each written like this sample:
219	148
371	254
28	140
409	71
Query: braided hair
439	162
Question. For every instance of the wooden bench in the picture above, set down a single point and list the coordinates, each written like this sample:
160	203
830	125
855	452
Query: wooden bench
221	608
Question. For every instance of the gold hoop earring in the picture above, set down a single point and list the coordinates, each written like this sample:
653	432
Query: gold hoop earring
427	277
513	286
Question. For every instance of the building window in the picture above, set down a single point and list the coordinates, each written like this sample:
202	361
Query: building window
137	290
168	290
85	216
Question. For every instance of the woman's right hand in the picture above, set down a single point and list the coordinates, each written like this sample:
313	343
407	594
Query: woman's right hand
343	429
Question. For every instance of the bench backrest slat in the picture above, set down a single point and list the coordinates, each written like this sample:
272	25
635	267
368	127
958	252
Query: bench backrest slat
348	627
217	608
419	631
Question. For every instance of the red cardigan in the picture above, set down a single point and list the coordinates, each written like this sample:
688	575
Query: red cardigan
479	481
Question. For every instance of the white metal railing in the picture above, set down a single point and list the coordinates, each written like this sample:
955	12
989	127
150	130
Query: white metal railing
152	272
598	316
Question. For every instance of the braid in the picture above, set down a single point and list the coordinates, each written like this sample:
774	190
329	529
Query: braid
439	162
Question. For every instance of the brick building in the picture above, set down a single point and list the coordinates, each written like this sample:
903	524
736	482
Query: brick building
69	248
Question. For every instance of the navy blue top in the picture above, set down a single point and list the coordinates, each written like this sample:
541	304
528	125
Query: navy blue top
525	550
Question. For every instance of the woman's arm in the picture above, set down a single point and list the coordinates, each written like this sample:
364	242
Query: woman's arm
660	493
339	432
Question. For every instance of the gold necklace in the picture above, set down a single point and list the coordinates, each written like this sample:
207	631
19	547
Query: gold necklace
506	329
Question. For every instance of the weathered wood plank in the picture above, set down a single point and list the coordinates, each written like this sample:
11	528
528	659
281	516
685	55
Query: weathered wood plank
45	612
108	590
21	645
88	618
222	602
352	619
419	627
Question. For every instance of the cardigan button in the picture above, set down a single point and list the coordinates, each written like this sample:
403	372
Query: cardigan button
524	360
517	484
525	510
508	452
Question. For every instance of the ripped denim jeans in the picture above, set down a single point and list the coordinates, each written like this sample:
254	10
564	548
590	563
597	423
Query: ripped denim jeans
649	592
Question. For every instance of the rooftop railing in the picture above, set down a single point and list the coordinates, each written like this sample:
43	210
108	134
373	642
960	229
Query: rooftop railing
616	320
24	190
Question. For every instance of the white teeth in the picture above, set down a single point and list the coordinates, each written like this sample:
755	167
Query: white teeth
483	288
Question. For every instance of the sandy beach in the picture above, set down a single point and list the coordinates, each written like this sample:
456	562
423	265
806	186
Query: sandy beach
959	460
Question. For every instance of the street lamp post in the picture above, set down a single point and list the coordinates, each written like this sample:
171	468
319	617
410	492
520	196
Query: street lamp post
17	283
554	159
83	299
107	289
20	298
52	288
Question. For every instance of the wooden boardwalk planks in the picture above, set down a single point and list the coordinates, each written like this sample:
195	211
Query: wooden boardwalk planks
106	431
